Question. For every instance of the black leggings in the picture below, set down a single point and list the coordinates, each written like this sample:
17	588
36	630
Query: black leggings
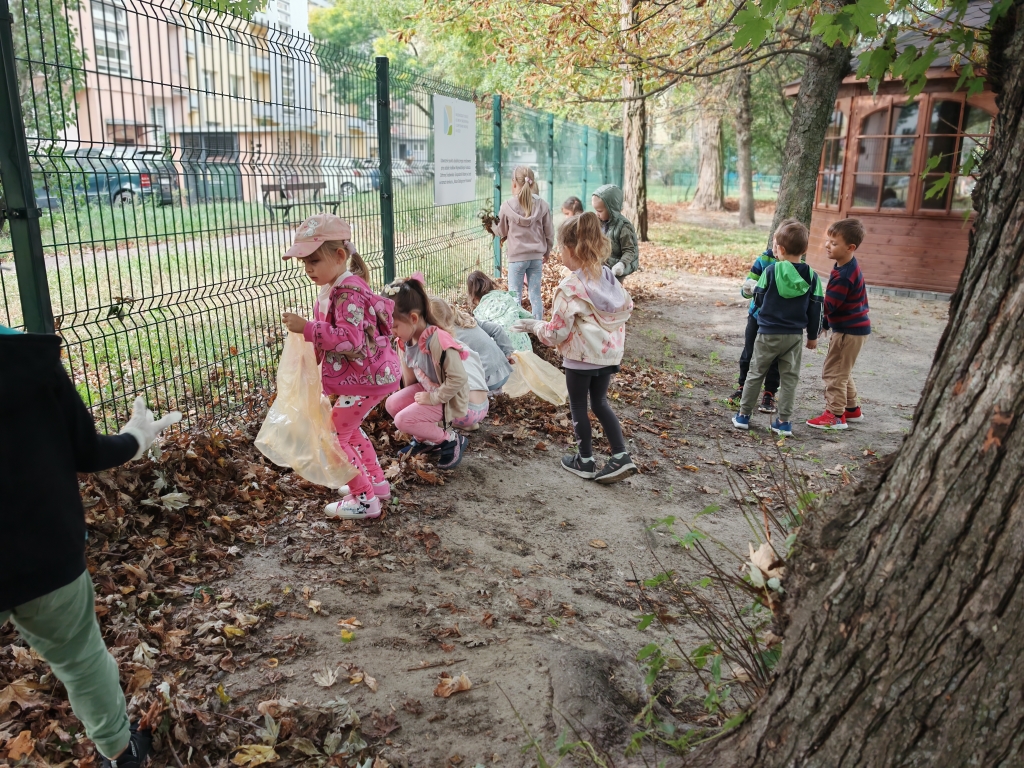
579	386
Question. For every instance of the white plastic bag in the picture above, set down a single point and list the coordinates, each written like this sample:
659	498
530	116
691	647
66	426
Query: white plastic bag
298	431
532	373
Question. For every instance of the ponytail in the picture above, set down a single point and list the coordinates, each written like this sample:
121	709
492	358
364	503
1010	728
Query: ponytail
523	176
410	296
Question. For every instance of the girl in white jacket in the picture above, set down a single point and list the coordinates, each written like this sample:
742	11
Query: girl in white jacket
588	327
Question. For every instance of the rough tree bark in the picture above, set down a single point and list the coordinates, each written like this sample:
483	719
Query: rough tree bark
743	167
709	195
811	114
634	135
906	643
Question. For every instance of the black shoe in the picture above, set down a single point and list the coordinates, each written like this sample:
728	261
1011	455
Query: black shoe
415	448
137	752
452	452
737	396
616	469
767	402
585	468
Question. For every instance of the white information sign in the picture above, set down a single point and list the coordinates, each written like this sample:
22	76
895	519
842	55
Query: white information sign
454	150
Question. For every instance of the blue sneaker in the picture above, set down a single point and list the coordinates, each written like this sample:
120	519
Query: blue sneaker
741	421
415	447
783	428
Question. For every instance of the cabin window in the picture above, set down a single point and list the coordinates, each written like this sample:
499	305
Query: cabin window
885	156
956	133
831	173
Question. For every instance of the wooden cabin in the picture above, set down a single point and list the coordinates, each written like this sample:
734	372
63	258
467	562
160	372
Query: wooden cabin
876	148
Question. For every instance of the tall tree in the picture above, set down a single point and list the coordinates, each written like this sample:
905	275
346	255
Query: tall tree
709	194
744	124
906	643
634	131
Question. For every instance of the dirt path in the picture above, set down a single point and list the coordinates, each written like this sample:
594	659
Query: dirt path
494	573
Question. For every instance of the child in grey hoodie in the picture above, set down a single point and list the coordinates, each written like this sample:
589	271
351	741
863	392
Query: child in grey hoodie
525	219
625	255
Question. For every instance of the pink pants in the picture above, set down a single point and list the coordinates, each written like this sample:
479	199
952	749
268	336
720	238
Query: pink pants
414	419
348	413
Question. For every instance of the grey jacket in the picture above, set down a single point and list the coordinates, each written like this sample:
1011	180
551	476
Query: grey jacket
491	343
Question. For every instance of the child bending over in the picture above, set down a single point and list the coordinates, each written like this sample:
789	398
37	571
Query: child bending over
588	327
487	340
490	303
351	332
479	404
434	374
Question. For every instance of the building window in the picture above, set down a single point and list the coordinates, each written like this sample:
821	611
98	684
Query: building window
235	86
257	88
110	37
956	133
885	156
123	135
287	83
832	157
232	41
209	81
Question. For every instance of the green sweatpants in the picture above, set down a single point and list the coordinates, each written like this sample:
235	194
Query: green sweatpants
62	628
788	349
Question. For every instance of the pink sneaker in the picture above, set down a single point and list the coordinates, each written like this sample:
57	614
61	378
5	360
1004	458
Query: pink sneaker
381	490
352	507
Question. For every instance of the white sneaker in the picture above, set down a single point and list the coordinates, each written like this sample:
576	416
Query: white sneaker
354	508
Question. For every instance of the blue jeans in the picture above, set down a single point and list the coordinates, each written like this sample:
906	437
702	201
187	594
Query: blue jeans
532	271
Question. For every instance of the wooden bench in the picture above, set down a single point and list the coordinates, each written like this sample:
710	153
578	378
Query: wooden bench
291	195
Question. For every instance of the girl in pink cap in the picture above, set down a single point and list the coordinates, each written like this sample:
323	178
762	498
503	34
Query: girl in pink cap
351	331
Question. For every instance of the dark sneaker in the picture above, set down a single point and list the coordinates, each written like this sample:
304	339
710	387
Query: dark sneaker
783	428
737	396
452	452
415	448
137	752
616	469
741	421
767	403
585	468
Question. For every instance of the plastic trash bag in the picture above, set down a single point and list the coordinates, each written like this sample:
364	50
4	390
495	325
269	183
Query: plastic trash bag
298	431
535	374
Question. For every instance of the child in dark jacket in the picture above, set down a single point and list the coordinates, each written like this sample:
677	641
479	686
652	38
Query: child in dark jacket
771	380
47	436
846	317
789	298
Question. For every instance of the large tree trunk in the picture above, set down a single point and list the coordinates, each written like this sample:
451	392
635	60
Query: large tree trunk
811	114
634	137
906	643
743	167
709	195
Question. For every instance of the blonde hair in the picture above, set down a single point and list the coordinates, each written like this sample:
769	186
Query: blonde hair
464	319
353	262
523	176
582	235
444	315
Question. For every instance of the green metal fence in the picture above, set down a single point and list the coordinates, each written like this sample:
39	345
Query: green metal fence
166	154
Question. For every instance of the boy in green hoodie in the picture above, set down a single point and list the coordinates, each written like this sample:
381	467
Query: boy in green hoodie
625	256
789	300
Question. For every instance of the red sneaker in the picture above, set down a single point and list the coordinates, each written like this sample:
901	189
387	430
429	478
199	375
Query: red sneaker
853	414
828	420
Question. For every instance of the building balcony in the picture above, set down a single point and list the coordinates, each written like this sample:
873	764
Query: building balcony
259	63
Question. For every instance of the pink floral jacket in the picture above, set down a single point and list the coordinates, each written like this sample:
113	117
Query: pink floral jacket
353	342
586	328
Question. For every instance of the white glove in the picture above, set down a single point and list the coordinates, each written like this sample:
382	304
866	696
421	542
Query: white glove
747	291
527	326
144	427
618	269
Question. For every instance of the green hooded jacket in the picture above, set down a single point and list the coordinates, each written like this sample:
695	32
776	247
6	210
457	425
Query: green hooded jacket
619	231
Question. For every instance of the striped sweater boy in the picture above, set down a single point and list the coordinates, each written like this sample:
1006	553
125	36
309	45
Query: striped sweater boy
846	301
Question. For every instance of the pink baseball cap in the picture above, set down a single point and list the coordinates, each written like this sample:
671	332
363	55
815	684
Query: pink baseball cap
315	231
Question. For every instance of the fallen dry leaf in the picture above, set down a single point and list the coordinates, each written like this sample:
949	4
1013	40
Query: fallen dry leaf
254	754
449	685
598	544
325	677
350	623
19	692
21	745
370	682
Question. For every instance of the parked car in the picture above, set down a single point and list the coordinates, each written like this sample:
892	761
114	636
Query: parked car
136	176
345	176
157	175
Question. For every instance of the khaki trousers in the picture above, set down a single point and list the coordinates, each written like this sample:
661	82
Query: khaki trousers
837	372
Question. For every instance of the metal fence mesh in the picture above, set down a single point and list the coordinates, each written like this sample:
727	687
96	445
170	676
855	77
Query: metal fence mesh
173	150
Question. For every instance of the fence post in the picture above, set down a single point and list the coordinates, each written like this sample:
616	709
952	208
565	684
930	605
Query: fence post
586	159
16	173
606	176
387	198
621	153
551	161
497	178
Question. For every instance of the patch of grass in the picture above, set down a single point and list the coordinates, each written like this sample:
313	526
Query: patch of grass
745	243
